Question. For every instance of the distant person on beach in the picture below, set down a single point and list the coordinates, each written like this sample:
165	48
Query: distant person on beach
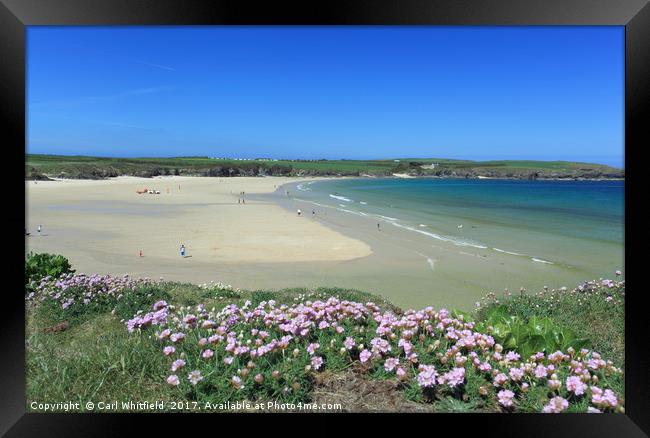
182	250
313	213
39	229
299	212
378	227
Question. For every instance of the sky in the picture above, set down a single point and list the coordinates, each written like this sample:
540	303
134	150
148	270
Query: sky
548	93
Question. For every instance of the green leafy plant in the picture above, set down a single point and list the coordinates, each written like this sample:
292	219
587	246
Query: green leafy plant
528	337
42	265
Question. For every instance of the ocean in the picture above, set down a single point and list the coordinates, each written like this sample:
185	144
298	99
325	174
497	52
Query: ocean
576	226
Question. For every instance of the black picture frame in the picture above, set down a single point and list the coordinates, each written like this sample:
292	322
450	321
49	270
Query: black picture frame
15	15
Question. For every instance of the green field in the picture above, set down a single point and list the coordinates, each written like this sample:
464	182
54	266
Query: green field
101	167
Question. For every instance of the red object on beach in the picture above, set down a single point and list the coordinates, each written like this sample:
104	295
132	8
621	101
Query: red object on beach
141	253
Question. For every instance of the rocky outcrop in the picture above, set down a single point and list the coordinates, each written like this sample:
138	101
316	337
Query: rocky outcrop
33	174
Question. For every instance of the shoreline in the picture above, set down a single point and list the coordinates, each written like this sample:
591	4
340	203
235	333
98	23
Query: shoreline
268	247
409	266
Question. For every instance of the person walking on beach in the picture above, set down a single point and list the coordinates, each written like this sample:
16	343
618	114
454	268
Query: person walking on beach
313	213
378	227
299	212
182	250
39	230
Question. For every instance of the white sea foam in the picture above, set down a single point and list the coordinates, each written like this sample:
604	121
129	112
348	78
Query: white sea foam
302	187
507	252
364	203
542	261
388	218
422	225
341	198
438	236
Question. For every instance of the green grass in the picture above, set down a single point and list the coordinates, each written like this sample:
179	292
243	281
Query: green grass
97	167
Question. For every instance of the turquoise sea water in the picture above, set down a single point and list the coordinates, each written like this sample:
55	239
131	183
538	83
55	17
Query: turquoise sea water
578	225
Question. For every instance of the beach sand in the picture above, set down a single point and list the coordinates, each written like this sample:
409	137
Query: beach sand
102	226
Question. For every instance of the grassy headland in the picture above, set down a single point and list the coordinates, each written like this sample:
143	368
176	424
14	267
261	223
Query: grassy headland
84	167
101	338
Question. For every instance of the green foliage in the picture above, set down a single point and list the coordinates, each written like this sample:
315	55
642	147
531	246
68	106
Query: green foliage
102	167
528	336
39	265
587	313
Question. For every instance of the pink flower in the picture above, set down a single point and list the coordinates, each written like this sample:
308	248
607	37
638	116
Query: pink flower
500	379
316	362
485	366
364	356
391	363
173	380
516	374
505	397
555	405
195	377
603	399
427	376
228	360
575	385
207	354
311	348
168	350
512	356
349	343
454	377
177	337
540	371
178	364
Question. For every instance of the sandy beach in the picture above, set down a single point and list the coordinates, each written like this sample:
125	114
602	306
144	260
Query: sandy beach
103	225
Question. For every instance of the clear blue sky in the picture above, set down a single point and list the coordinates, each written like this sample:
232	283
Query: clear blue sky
328	92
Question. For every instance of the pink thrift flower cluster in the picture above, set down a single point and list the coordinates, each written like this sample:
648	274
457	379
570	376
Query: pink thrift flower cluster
266	346
82	289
